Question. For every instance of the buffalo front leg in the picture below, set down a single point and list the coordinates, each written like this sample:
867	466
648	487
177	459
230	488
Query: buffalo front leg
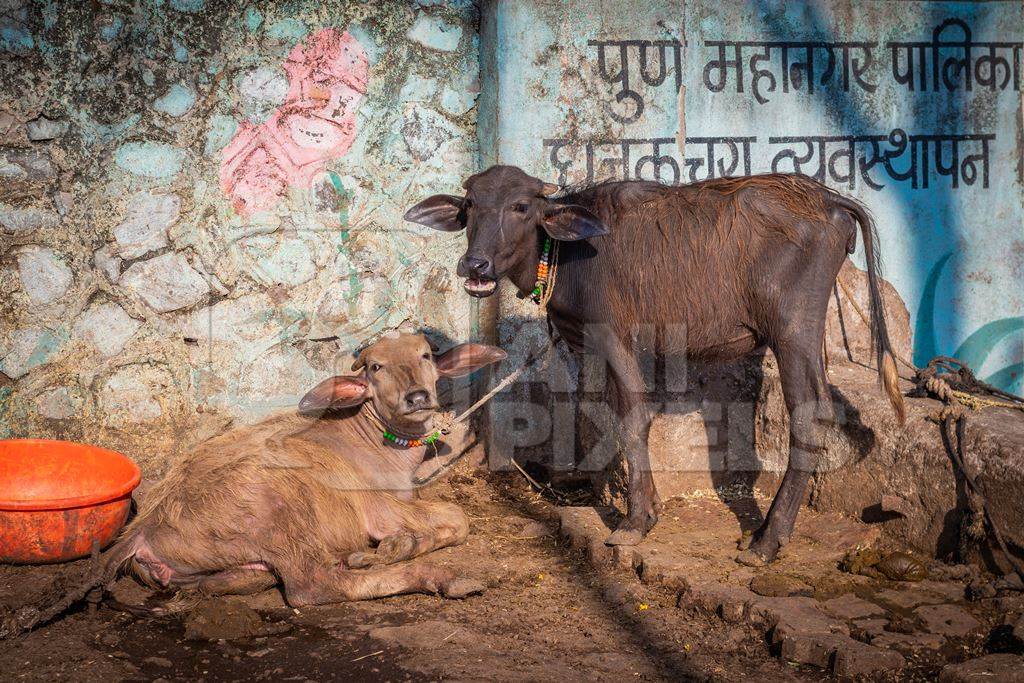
629	400
414	528
805	388
327	585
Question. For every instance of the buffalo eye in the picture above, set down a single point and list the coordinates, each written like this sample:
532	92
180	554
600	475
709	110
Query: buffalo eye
426	356
520	207
374	367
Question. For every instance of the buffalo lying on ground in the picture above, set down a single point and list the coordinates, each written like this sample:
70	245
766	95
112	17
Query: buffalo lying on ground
720	269
301	499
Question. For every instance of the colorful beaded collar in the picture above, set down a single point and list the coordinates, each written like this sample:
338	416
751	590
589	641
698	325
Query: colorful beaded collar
411	443
400	441
546	270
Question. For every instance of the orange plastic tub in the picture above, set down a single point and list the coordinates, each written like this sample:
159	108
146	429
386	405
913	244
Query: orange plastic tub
58	497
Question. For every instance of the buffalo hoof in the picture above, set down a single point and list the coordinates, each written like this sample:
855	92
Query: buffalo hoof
625	536
761	551
752	558
362	560
396	548
457	589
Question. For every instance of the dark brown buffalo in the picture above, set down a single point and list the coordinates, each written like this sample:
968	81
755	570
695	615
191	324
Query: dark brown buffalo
738	263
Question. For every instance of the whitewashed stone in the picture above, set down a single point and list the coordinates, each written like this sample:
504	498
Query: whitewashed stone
26	164
277	379
131	394
333	306
29	348
166	283
26	219
58	404
108	262
44	275
425	131
7	122
107	327
280	260
145	227
246	321
176	101
42	129
435	33
262	89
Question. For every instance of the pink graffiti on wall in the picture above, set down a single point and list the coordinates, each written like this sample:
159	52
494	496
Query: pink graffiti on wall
327	77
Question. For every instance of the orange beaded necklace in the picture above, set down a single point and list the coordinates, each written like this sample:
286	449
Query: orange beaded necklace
546	271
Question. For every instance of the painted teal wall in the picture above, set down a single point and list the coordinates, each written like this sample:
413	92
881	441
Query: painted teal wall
955	254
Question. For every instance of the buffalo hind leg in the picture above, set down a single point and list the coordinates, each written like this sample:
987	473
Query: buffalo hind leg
421	527
805	388
336	584
629	400
237	581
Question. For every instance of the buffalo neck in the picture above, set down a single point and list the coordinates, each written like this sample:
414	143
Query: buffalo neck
371	425
524	273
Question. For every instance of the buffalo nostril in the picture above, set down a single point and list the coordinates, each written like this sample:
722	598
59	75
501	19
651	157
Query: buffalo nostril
477	266
417	399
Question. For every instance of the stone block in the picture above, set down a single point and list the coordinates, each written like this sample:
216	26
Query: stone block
848	606
144	228
26	219
109	263
42	129
908	641
815	650
133	394
947	620
434	33
45	276
59	403
107	327
29	348
166	283
1001	668
855	659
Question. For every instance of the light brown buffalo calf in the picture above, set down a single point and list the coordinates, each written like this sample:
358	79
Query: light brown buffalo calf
303	499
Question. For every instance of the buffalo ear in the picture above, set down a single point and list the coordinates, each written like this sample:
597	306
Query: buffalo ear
571	222
440	212
334	393
463	359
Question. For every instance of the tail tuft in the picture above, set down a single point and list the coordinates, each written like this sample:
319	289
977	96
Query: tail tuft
879	334
890	382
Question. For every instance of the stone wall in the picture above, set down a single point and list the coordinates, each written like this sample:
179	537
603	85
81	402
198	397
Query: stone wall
200	204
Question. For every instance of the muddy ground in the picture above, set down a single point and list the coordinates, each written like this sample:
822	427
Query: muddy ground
547	615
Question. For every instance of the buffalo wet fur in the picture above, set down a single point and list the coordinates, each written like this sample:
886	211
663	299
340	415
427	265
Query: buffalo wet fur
317	501
737	264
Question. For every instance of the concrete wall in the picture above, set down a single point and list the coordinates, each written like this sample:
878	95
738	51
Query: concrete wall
201	204
952	241
585	91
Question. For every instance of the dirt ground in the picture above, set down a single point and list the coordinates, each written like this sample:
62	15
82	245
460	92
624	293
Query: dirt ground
547	615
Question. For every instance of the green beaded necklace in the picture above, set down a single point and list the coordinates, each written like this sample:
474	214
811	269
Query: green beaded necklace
411	443
545	275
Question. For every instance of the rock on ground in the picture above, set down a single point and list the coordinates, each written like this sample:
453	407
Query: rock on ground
1001	668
